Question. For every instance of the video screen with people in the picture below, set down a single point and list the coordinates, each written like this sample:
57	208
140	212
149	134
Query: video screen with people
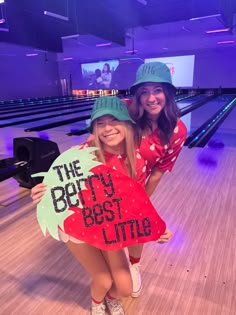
98	75
181	68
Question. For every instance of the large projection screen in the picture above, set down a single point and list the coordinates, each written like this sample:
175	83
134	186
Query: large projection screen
181	68
94	76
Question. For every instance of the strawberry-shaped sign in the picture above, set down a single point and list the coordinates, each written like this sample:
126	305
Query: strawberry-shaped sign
96	204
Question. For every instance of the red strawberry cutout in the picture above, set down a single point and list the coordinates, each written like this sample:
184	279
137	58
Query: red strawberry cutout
114	212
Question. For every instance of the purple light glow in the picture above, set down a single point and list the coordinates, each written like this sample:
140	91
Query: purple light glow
207	161
3	29
2	21
216	144
131	51
104	44
43	135
218	31
2	1
68	58
31	55
226	42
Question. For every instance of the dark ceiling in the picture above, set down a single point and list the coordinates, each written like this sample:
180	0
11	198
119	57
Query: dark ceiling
26	24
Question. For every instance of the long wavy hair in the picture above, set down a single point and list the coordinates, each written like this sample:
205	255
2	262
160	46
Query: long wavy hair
166	121
108	68
130	147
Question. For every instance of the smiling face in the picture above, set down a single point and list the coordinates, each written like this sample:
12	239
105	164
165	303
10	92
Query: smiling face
111	132
152	99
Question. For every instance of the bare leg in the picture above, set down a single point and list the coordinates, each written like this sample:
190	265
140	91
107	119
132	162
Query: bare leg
119	268
94	263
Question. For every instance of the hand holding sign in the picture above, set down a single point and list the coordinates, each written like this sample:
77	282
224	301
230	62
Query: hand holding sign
96	204
61	180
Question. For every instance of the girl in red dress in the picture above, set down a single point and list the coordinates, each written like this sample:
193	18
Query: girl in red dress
112	129
161	136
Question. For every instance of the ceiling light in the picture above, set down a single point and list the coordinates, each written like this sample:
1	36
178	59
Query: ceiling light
226	42
218	31
56	16
144	2
31	55
104	44
40	50
131	51
70	36
204	17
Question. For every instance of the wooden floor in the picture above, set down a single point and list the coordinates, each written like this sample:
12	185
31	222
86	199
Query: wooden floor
195	274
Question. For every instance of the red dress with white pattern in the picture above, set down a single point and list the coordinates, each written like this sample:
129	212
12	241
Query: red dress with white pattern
117	162
157	155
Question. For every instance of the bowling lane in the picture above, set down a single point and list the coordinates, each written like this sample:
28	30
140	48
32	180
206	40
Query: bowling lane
41	102
201	114
189	101
50	110
63	120
226	133
25	109
44	118
81	125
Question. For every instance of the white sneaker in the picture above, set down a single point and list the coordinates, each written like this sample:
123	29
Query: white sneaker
114	307
136	278
98	309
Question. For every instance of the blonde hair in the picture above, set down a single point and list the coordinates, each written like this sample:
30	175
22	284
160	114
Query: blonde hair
129	147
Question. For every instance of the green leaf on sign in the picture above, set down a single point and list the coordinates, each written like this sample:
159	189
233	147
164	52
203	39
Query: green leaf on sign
48	219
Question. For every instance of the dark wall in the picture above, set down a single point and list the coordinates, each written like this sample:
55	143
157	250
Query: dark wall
23	77
215	68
